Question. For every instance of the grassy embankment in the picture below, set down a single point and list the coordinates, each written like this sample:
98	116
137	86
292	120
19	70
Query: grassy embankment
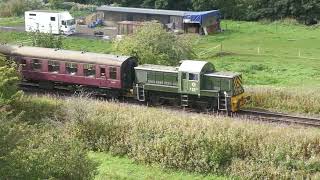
277	65
195	143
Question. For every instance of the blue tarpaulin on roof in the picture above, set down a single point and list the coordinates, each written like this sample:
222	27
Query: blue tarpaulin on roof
205	18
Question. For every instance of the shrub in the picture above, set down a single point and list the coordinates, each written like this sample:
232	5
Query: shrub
18	7
46	40
152	44
44	152
195	143
8	82
300	100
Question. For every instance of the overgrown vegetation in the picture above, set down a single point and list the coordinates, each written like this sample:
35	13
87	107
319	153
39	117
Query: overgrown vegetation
152	44
45	40
9	8
305	11
9	79
296	100
194	143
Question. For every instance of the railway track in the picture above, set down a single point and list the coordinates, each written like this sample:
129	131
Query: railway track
274	117
262	116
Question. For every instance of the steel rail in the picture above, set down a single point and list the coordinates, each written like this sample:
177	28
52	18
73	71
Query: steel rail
262	116
279	118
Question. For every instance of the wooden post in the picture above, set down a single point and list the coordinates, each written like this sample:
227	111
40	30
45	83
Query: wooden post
221	47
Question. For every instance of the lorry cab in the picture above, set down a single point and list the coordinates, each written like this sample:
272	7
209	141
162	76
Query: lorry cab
46	21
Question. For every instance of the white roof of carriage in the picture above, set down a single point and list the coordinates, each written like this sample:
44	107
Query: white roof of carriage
191	66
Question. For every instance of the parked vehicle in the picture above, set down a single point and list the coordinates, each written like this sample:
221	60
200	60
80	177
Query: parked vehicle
53	22
191	84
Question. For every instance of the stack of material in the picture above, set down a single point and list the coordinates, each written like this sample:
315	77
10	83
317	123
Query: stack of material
95	17
128	27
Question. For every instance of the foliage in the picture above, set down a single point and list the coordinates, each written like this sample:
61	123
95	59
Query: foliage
18	7
152	44
44	152
297	100
8	82
305	11
45	40
56	4
123	168
195	143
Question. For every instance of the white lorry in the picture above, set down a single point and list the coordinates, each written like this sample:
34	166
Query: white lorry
53	22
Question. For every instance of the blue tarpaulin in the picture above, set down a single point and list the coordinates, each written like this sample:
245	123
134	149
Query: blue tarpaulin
204	18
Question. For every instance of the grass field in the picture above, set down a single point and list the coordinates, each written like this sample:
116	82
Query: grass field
277	63
123	168
288	55
13	21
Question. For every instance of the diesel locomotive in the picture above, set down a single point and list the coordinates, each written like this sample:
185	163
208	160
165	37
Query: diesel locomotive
191	84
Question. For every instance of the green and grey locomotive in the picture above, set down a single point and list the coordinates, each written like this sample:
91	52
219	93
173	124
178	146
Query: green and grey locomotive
193	83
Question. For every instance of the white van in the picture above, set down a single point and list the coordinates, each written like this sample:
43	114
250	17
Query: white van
46	21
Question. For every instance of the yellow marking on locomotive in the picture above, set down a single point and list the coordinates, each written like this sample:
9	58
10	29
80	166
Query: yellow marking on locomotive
238	101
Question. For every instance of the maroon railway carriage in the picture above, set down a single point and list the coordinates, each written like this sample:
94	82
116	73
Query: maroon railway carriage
53	66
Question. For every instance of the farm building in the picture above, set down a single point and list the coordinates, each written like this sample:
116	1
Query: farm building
190	22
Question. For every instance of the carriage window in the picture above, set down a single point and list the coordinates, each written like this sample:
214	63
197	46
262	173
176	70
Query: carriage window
89	70
22	62
36	64
193	77
53	18
113	72
63	23
53	66
71	68
102	72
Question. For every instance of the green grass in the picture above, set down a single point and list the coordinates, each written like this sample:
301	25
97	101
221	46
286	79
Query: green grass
72	43
278	63
12	21
123	168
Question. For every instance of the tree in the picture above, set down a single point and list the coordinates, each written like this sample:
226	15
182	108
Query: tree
56	4
152	44
9	79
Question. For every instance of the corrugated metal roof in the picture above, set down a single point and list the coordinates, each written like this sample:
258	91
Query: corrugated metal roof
64	55
192	66
143	10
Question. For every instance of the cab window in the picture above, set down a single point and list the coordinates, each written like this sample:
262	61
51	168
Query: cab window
193	77
184	75
63	23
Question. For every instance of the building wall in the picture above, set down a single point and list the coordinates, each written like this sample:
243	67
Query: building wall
111	18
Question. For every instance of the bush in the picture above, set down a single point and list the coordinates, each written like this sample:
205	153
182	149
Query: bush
152	44
44	152
46	40
299	100
8	82
18	7
195	143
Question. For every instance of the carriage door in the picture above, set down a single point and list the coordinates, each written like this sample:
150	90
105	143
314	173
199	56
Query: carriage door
102	75
184	82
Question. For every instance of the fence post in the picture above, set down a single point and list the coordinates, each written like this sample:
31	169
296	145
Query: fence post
221	48
258	50
299	52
